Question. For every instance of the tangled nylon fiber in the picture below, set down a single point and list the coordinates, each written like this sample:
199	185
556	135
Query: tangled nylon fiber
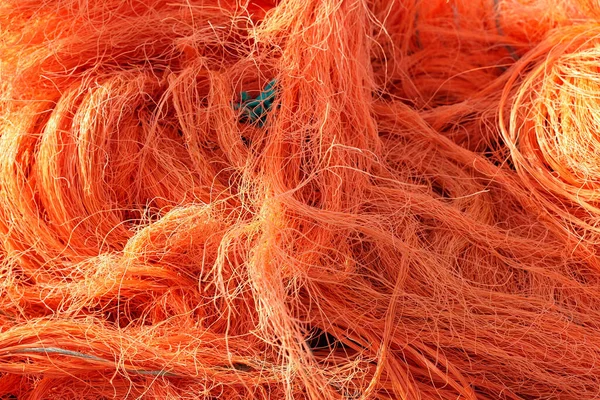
414	214
551	128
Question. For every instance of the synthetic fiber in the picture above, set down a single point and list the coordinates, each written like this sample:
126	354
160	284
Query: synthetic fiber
299	199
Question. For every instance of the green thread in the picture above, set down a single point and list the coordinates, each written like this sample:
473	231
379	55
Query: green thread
255	111
71	353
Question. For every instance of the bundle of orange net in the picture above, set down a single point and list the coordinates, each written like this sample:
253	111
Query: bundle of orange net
299	199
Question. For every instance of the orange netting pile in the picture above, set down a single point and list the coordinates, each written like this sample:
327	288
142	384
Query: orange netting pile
414	215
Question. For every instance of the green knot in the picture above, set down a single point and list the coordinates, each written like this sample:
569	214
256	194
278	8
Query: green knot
254	111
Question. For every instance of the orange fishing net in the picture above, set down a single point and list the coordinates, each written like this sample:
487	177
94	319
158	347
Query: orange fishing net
299	199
